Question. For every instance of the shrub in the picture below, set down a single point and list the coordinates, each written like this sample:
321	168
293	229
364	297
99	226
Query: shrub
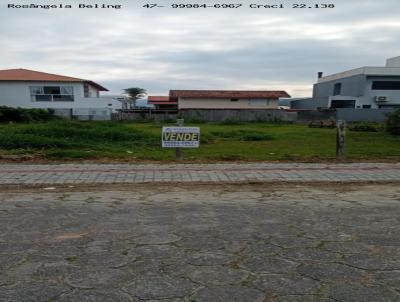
231	121
67	134
393	122
29	141
256	137
19	115
365	127
194	120
242	135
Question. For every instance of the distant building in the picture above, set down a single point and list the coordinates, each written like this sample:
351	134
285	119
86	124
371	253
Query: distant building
33	89
121	98
220	99
162	103
365	87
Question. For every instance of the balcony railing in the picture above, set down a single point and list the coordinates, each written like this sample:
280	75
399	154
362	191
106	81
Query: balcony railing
53	98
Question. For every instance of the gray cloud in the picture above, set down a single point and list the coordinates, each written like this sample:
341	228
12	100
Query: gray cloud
161	49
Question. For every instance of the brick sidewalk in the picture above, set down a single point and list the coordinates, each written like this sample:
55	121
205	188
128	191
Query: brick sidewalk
16	174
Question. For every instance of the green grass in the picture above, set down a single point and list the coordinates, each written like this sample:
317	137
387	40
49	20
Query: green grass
141	141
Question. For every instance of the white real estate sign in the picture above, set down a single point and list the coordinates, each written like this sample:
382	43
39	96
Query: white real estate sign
180	137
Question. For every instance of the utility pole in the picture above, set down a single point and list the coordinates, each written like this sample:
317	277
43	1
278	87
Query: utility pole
340	140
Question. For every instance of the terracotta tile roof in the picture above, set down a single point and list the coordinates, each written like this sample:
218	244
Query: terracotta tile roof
31	75
161	100
157	98
228	94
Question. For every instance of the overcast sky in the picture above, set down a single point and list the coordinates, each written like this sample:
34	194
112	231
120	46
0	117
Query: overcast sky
162	49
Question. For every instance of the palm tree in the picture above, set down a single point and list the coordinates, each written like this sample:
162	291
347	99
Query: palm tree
135	93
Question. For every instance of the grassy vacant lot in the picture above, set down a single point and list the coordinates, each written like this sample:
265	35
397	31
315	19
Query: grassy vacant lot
141	141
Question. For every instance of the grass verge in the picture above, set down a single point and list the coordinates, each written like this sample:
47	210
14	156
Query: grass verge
129	141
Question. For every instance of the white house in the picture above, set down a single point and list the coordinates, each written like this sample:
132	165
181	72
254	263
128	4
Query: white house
226	99
361	88
218	99
33	89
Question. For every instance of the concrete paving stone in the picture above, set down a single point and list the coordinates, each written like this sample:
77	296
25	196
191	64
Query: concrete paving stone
32	291
217	275
262	248
387	278
97	279
209	258
349	247
268	264
158	251
372	262
381	240
52	270
265	245
292	242
329	271
9	260
168	300
201	243
100	173
143	266
159	287
161	238
104	260
284	284
228	293
314	254
354	292
96	296
301	298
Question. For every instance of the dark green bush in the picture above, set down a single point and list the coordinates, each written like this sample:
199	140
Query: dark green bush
243	135
393	122
366	127
20	115
231	121
193	120
29	141
70	134
257	137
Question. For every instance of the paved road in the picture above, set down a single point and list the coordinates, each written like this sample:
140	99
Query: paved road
207	173
254	243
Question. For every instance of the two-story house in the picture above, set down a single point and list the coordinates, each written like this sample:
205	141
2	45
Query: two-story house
365	87
33	89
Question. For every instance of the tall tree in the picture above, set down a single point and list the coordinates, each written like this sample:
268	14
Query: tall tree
134	94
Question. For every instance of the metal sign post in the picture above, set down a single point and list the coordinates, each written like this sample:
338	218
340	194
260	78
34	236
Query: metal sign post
178	151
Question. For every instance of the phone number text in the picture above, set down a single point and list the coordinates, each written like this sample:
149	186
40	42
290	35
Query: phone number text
237	5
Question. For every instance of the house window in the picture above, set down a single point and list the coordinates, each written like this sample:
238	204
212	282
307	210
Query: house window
86	91
343	104
386	85
234	100
366	106
52	93
337	89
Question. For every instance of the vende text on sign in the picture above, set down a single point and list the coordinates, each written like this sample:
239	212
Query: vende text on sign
180	137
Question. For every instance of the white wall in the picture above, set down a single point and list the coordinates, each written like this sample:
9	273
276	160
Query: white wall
93	91
370	95
192	103
17	94
393	62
